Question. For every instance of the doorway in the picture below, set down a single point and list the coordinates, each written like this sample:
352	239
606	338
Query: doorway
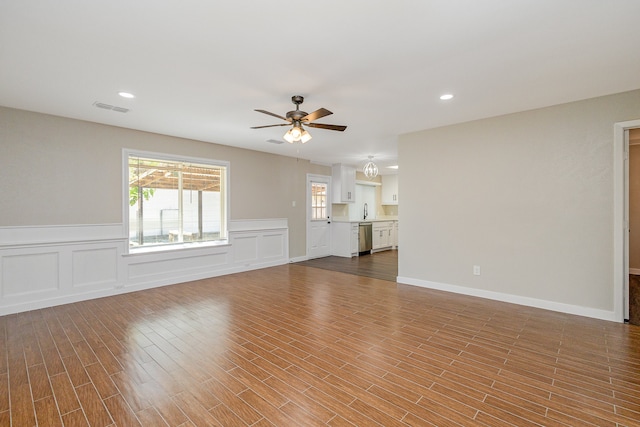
633	204
621	218
318	207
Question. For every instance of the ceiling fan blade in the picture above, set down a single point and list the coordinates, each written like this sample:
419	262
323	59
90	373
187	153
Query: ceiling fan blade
322	112
270	126
323	126
273	114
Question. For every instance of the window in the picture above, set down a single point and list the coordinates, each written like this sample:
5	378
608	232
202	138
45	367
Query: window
318	200
175	200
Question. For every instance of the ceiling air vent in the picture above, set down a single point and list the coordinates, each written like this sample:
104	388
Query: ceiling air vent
110	107
275	141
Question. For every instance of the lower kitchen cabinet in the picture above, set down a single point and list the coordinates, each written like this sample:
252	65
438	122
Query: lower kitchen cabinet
344	239
383	235
355	242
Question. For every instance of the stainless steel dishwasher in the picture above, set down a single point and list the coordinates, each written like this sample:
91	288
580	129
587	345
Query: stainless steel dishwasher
365	234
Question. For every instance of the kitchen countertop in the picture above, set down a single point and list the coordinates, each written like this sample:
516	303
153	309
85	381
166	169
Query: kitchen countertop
365	220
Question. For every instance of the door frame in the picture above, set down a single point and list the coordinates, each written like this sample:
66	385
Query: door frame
621	218
316	178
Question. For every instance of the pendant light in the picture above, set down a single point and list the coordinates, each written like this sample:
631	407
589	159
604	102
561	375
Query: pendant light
370	170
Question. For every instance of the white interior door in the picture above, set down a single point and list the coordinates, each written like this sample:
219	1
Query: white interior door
318	216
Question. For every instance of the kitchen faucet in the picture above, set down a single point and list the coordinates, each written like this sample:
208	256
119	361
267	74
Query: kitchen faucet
366	211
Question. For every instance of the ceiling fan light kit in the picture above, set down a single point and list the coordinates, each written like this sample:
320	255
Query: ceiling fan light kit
297	118
297	133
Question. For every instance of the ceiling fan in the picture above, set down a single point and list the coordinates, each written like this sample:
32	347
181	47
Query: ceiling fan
297	118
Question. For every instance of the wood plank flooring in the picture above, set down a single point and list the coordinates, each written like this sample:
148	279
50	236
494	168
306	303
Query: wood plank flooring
380	265
299	346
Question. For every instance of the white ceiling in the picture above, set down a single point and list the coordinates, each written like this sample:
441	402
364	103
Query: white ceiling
199	68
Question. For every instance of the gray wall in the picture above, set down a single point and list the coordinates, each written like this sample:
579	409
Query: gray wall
58	171
528	197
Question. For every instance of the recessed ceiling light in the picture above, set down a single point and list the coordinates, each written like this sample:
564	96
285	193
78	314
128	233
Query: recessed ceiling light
446	96
126	95
392	167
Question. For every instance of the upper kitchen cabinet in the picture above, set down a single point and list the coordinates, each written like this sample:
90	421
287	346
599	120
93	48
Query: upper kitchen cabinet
389	189
343	178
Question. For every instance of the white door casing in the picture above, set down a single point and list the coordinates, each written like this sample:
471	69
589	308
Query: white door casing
625	259
621	218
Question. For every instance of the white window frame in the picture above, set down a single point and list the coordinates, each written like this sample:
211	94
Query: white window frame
224	223
323	208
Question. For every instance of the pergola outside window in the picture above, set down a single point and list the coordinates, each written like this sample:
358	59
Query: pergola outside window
175	200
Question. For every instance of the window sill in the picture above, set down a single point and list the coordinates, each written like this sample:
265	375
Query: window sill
176	247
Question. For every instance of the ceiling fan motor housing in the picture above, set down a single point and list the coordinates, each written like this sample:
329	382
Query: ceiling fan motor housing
298	114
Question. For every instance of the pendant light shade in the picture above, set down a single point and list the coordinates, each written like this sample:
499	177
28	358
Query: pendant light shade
306	136
288	136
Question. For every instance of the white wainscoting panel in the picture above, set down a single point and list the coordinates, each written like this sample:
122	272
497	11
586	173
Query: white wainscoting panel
274	246
259	243
245	248
162	268
43	266
29	273
36	275
95	267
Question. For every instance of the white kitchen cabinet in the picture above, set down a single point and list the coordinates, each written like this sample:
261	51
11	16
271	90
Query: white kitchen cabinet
395	234
382	235
355	235
380	239
344	239
389	189
343	183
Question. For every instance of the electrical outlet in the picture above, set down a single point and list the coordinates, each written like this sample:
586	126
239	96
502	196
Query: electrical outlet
476	270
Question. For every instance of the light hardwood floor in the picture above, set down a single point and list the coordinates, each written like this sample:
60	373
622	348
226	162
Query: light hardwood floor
302	346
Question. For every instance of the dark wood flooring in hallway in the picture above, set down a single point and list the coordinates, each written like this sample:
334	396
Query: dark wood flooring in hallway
380	265
634	299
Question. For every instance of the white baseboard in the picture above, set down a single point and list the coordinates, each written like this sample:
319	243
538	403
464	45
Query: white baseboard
513	299
299	259
55	301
